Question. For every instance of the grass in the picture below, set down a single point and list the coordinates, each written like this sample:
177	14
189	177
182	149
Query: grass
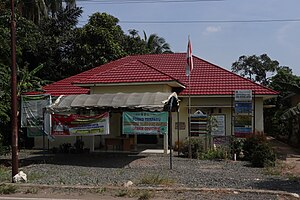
280	168
145	195
101	190
7	189
4	174
122	193
156	180
34	176
31	191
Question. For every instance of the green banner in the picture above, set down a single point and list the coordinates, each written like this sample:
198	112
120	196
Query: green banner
145	123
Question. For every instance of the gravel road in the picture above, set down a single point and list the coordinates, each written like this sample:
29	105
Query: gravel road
108	169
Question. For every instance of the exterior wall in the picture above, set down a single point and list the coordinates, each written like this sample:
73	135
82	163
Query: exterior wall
224	108
130	89
211	105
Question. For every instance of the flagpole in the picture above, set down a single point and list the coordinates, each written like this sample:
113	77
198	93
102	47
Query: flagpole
190	67
189	116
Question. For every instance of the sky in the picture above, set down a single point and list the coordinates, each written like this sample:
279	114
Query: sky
220	30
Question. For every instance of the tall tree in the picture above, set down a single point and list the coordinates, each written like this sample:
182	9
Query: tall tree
285	82
98	42
255	68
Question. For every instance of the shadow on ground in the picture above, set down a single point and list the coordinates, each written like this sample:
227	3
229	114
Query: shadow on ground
103	160
289	185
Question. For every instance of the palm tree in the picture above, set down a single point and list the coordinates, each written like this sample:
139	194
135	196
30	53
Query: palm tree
33	10
156	44
36	10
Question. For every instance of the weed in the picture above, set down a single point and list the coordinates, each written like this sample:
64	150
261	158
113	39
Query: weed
122	193
145	195
34	176
156	180
100	190
7	189
293	178
4	174
31	191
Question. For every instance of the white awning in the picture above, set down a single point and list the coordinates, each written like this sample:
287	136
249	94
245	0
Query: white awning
147	101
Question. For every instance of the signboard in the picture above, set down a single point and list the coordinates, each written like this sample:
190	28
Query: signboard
77	125
149	123
33	116
218	128
242	126
243	107
243	95
32	110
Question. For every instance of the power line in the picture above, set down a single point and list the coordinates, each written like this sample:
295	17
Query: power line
208	21
145	1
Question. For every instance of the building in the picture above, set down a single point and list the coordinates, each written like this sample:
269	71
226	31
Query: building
210	89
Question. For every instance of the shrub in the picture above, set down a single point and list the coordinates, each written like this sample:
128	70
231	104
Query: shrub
218	153
3	149
197	147
7	189
251	143
236	147
156	180
263	156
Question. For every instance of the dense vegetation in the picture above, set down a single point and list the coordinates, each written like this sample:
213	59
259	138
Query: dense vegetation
50	47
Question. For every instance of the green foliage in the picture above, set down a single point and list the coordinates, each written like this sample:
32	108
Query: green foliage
236	146
7	189
4	174
156	180
197	147
263	156
122	193
156	44
145	195
98	42
255	67
211	154
251	143
258	152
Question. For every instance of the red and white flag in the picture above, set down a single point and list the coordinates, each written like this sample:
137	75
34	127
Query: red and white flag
189	59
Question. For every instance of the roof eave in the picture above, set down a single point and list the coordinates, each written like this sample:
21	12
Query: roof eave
264	96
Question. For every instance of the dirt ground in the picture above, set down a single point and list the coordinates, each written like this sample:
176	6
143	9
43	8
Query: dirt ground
288	155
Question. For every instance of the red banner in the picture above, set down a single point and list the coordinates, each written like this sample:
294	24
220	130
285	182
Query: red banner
78	125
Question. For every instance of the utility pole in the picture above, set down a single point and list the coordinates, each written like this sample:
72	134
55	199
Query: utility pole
14	106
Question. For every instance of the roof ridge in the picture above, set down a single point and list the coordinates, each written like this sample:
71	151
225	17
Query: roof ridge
158	70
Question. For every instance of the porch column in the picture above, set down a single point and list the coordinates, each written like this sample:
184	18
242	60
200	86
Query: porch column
166	143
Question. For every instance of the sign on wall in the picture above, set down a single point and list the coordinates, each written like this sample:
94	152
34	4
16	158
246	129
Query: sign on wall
219	125
243	95
243	113
77	125
151	123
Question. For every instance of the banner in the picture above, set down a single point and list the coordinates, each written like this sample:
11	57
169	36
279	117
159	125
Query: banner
77	125
149	123
32	118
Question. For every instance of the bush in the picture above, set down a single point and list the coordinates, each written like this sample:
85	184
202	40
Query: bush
218	153
197	147
236	147
251	143
3	149
263	156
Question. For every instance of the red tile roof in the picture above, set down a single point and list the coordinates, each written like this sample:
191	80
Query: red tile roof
206	78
